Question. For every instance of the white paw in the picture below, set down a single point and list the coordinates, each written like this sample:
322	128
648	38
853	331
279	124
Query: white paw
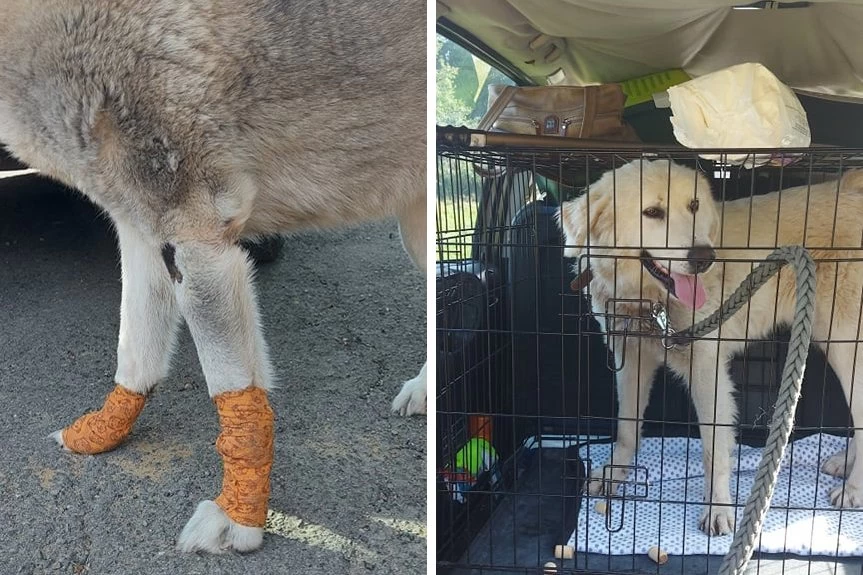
411	399
835	465
846	496
211	530
58	437
717	519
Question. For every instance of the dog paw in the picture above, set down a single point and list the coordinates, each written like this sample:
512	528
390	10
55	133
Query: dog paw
58	437
211	530
836	464
411	400
846	496
717	519
605	482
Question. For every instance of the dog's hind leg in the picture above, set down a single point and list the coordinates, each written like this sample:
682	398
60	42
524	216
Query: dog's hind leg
148	328
412	226
212	282
712	392
634	380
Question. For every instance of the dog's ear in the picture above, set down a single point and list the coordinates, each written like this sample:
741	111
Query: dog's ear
707	192
578	221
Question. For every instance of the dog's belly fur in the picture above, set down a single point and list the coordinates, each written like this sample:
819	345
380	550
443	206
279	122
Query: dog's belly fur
329	199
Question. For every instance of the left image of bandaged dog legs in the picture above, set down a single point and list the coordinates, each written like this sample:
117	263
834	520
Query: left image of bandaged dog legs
263	386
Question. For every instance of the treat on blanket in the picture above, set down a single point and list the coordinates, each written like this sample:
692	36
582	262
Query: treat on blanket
246	447
601	507
657	555
105	429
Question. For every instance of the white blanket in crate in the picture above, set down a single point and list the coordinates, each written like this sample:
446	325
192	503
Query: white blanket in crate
800	520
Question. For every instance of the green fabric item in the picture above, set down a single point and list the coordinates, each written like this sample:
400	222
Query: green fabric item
641	89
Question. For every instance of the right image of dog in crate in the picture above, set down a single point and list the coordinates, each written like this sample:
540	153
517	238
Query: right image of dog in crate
649	288
660	203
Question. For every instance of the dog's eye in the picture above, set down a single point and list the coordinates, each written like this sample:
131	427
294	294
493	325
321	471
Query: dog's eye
693	206
654	213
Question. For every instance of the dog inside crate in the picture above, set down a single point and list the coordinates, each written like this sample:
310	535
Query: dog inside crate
570	254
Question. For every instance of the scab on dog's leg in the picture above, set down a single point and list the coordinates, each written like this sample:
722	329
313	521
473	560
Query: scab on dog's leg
215	294
148	331
634	381
411	399
712	392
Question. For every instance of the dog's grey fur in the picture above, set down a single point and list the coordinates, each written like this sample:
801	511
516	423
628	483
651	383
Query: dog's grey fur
195	124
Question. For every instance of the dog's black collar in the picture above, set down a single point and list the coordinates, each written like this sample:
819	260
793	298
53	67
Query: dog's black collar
581	281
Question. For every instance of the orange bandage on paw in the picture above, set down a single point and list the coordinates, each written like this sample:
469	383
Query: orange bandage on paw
105	429
246	447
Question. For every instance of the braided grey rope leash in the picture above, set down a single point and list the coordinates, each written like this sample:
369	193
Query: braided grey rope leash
755	510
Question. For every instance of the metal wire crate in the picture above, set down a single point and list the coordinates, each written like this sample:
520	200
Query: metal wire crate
547	360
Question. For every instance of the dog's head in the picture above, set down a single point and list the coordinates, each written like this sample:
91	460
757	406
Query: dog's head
658	214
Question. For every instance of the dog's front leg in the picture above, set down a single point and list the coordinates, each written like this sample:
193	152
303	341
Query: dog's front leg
847	362
712	392
849	494
634	381
411	399
214	290
148	328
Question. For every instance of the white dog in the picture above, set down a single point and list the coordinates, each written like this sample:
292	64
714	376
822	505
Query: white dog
651	226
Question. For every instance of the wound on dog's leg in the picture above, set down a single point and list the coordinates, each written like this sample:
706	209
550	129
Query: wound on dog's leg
168	256
105	429
246	447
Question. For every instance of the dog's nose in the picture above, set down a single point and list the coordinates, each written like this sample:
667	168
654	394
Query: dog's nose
701	258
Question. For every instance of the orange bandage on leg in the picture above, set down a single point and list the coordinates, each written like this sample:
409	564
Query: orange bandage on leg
246	447
105	429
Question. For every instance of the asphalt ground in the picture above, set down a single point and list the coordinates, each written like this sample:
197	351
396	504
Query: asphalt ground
344	314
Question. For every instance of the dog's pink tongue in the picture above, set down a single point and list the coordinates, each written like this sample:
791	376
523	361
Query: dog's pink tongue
689	290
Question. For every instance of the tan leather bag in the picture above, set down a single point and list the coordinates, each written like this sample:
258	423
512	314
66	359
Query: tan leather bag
594	112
